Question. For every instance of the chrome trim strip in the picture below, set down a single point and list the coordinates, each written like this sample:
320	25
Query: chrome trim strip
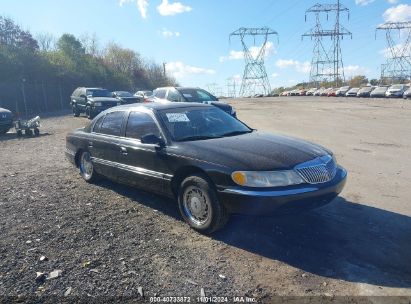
132	169
270	193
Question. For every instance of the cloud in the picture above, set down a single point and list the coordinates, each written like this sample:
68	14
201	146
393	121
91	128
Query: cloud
274	75
355	70
237	55
392	1
399	13
171	9
180	70
168	34
363	2
301	67
142	6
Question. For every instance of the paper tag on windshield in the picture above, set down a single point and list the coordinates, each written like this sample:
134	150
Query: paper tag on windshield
177	117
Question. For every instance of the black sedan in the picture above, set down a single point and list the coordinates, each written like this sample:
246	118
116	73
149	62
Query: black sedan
212	163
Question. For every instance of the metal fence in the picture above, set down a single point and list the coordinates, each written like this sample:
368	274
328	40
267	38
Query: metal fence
32	97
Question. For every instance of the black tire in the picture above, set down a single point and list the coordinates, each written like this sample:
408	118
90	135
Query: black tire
217	216
89	113
36	132
76	112
19	133
87	173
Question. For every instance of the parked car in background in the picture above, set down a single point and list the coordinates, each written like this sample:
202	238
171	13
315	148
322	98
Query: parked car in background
396	91
147	96
379	92
92	101
303	93
342	91
318	92
352	92
285	93
126	97
187	94
332	93
365	91
6	120
212	164
407	93
326	91
311	92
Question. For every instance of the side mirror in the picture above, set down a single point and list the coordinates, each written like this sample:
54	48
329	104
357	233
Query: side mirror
151	139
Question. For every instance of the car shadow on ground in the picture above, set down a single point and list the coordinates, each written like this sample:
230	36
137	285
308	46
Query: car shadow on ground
13	136
343	240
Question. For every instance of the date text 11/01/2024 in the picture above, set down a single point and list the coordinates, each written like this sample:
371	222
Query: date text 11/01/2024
240	299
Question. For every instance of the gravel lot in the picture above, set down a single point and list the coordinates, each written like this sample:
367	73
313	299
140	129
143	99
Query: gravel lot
111	240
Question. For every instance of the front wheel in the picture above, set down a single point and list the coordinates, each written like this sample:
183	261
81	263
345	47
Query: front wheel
89	112
76	112
86	166
199	205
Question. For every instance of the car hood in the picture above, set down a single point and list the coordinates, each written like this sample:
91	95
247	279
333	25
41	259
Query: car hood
2	110
256	151
223	106
103	99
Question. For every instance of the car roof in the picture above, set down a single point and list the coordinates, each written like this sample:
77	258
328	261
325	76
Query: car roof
161	106
180	88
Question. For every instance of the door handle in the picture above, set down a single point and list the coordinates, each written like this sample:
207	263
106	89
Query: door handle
90	144
123	151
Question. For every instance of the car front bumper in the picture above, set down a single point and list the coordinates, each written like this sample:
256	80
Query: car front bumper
287	200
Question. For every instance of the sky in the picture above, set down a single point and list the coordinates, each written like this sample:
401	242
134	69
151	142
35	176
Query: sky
192	36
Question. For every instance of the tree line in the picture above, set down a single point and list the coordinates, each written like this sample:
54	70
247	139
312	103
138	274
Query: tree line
52	67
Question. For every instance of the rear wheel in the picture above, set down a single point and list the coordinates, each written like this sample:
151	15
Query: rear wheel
87	171
89	113
199	205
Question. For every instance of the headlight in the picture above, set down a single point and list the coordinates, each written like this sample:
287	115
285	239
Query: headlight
266	179
233	112
98	104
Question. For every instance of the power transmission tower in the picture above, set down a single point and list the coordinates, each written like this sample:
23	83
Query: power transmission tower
212	88
232	87
255	75
398	65
327	65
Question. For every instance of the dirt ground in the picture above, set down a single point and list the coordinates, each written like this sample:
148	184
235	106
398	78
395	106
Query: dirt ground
111	240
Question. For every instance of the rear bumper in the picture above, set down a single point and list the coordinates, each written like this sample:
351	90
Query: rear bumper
288	200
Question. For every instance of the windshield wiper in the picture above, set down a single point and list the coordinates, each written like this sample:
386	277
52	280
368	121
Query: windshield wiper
234	133
198	137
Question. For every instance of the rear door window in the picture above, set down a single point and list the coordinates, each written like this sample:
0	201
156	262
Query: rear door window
140	124
112	123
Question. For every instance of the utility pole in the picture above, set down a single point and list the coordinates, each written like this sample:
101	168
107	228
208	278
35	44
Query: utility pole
398	64
255	74
327	65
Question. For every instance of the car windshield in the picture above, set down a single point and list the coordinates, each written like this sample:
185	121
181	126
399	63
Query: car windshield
98	93
190	124
366	89
123	94
197	95
381	89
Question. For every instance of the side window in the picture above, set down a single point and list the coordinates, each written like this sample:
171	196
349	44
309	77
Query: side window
140	124
161	93
97	125
173	95
112	123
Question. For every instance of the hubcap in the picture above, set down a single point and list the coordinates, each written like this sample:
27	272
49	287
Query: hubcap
86	166
196	206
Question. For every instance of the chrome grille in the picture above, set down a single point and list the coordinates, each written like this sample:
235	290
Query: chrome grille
319	170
